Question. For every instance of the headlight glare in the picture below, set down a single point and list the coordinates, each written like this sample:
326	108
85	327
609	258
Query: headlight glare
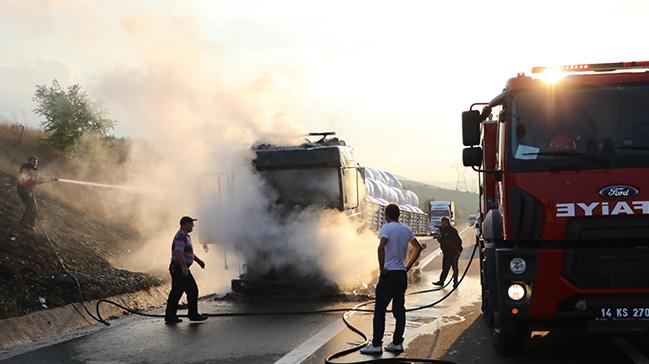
516	292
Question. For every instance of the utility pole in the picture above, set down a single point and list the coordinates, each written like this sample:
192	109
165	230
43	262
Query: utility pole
460	182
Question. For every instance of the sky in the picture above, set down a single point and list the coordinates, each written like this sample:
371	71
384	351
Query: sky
391	78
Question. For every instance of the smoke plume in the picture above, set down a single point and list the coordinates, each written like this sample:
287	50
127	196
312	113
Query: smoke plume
195	115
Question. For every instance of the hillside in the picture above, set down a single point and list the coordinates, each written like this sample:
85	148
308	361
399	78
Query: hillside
466	203
29	268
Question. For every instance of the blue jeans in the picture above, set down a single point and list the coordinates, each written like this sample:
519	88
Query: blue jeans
392	287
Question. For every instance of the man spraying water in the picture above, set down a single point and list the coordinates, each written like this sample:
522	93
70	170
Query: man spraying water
25	183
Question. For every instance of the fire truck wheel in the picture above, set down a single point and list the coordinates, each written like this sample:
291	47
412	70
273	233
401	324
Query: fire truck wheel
508	343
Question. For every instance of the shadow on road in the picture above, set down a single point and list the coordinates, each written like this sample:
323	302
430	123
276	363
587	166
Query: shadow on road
474	345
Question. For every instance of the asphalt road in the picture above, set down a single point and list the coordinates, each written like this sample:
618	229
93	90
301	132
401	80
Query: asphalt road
452	330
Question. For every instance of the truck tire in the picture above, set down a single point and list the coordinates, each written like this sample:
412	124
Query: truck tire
508	343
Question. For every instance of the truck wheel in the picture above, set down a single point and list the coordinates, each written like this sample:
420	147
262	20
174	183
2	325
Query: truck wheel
508	343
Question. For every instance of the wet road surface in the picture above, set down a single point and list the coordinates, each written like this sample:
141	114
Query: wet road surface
452	330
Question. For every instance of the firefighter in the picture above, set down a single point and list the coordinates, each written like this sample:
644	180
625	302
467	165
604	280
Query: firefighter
451	245
25	183
182	281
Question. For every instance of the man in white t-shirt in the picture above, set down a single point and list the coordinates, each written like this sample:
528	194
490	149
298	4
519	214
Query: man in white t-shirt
393	247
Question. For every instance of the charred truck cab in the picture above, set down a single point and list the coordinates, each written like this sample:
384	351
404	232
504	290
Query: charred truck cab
564	201
323	173
314	174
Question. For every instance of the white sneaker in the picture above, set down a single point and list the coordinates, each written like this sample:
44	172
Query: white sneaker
371	350
394	348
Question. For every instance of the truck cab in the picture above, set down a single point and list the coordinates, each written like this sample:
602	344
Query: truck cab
563	159
321	174
439	210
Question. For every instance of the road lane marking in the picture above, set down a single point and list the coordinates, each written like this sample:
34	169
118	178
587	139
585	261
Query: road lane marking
307	348
463	230
630	351
436	253
429	258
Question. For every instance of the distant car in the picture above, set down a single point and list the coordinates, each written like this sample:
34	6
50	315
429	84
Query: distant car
473	220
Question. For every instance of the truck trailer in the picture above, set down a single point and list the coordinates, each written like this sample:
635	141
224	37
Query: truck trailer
563	162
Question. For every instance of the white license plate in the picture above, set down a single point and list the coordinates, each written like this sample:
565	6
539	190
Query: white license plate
623	313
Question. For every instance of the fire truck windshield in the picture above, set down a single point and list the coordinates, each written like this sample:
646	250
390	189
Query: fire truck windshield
579	127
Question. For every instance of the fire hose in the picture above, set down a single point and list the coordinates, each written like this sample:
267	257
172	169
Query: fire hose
347	311
331	358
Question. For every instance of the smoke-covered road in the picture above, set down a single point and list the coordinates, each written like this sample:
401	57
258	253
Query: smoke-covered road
453	330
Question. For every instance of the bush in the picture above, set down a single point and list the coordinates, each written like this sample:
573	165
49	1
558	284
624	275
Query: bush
69	114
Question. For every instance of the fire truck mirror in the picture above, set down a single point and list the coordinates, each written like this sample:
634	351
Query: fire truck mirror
472	157
471	127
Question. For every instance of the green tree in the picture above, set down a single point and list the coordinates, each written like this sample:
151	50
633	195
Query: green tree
69	114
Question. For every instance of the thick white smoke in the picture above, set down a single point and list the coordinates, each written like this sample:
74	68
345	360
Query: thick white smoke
310	241
198	119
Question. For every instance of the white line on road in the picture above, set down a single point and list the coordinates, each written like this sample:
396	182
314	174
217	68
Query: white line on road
310	346
436	253
429	258
630	351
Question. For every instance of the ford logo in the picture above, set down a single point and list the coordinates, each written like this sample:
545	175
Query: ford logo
618	191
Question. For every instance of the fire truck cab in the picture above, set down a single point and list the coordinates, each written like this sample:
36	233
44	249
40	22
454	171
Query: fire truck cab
563	159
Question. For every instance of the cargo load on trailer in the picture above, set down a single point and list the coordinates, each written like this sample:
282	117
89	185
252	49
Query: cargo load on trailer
383	188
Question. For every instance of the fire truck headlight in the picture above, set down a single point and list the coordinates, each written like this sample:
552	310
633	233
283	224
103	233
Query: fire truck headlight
516	292
518	265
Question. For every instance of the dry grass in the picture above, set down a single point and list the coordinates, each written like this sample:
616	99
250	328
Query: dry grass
18	143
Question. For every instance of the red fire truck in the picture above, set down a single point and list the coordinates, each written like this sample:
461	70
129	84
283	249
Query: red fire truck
563	159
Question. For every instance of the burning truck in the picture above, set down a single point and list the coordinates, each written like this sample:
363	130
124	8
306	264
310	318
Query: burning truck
322	174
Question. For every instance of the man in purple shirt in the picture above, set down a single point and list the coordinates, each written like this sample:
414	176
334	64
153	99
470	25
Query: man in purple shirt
182	281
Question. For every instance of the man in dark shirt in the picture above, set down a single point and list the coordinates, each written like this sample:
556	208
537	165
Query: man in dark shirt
182	281
25	183
451	245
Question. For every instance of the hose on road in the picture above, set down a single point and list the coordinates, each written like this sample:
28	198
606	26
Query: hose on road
331	358
347	311
82	300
